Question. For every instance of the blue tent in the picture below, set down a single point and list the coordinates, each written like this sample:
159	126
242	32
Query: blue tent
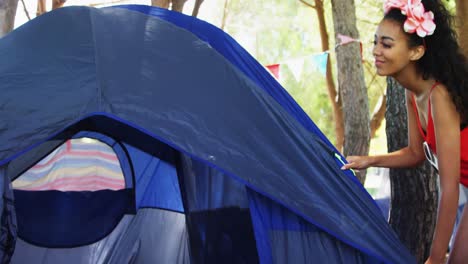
199	155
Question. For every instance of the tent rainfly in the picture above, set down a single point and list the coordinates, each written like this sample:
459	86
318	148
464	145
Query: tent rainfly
133	134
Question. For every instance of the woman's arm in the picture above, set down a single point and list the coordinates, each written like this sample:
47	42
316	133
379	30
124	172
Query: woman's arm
447	131
409	156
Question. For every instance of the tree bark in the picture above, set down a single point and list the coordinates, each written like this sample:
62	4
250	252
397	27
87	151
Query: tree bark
196	7
161	3
7	16
414	191
335	98
351	83
462	16
57	4
41	7
25	10
178	5
225	14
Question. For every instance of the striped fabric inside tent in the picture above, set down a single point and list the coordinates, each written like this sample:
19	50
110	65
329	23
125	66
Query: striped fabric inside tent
81	164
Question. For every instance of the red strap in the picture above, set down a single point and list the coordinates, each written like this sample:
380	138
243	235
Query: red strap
432	88
417	116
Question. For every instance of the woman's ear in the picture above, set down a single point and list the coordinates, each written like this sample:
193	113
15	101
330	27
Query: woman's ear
417	52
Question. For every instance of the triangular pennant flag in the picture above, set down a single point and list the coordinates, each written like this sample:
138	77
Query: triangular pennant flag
296	66
275	70
320	62
345	39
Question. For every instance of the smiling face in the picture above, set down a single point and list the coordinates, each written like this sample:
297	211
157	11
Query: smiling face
391	51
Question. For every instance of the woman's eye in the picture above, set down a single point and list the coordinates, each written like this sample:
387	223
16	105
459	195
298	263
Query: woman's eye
386	46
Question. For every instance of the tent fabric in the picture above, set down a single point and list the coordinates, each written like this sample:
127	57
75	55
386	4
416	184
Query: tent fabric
216	205
242	60
238	56
129	242
157	185
301	243
70	219
200	181
20	164
156	86
53	213
8	225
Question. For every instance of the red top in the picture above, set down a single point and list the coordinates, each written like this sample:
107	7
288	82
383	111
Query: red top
430	138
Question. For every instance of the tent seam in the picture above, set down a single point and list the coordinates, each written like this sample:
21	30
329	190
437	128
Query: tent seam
98	83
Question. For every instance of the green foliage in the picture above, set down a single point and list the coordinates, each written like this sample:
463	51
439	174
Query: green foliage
275	31
451	5
311	94
285	30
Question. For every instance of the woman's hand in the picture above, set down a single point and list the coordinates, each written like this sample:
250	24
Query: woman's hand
358	162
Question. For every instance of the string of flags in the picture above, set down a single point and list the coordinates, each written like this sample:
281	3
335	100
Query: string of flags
318	60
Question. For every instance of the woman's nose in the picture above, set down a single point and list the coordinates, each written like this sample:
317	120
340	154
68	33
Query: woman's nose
376	50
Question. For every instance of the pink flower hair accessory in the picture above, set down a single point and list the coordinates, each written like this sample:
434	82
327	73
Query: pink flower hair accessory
418	20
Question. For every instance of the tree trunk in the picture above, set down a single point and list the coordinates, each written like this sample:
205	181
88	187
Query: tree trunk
462	16
414	191
161	3
41	7
351	83
7	16
196	7
178	5
225	14
57	4
334	96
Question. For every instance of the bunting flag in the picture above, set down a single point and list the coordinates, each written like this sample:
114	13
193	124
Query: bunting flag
296	66
347	39
320	62
275	70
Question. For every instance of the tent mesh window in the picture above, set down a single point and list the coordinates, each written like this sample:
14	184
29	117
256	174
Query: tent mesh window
74	196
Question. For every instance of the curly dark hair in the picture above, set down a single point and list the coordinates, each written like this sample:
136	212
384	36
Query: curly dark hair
443	59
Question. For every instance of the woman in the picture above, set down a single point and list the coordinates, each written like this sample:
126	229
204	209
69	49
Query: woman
415	44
